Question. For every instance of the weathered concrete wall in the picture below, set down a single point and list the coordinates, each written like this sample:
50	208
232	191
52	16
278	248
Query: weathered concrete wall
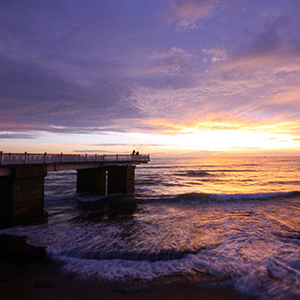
92	181
22	195
121	179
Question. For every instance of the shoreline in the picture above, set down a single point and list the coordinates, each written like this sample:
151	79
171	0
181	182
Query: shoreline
26	273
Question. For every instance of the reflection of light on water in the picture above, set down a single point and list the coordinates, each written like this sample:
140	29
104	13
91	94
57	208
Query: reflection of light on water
220	175
249	242
225	219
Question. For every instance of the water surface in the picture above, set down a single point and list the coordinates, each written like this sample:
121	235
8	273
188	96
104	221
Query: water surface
208	221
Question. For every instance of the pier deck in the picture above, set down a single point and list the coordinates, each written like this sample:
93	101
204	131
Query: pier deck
22	180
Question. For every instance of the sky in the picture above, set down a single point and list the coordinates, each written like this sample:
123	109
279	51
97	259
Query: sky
165	77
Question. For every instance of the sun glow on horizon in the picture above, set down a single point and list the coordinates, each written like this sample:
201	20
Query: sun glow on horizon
230	136
167	138
219	140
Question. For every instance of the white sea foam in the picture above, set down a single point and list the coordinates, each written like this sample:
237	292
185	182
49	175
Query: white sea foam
253	244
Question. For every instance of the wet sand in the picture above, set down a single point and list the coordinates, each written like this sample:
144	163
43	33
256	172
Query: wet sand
25	273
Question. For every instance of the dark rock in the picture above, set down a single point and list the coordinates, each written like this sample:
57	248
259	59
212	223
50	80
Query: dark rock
16	248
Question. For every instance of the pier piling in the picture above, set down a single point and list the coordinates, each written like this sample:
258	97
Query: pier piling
22	180
22	195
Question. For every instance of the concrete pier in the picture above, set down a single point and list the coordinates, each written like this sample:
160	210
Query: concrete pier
22	195
22	180
121	179
92	181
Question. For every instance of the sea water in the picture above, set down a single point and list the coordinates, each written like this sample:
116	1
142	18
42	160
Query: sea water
206	221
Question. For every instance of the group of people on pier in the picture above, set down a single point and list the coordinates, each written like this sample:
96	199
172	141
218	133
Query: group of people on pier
135	152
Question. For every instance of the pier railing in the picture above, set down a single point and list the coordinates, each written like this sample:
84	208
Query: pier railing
45	158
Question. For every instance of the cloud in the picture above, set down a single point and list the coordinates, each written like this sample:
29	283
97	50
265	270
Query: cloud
215	55
263	71
17	136
276	36
190	12
114	67
171	69
93	151
270	38
285	106
30	93
171	60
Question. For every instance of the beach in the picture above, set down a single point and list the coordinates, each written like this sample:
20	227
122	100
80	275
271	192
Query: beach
27	274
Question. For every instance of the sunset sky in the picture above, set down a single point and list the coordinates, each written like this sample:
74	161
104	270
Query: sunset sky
165	77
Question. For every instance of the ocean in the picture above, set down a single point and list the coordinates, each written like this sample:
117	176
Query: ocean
205	221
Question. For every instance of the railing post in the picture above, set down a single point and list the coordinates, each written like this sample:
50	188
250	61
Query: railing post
25	158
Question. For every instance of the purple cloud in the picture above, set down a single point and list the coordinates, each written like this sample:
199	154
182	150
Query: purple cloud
190	12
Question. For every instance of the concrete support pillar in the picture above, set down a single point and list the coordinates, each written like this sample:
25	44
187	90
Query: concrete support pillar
92	181
121	179
22	195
